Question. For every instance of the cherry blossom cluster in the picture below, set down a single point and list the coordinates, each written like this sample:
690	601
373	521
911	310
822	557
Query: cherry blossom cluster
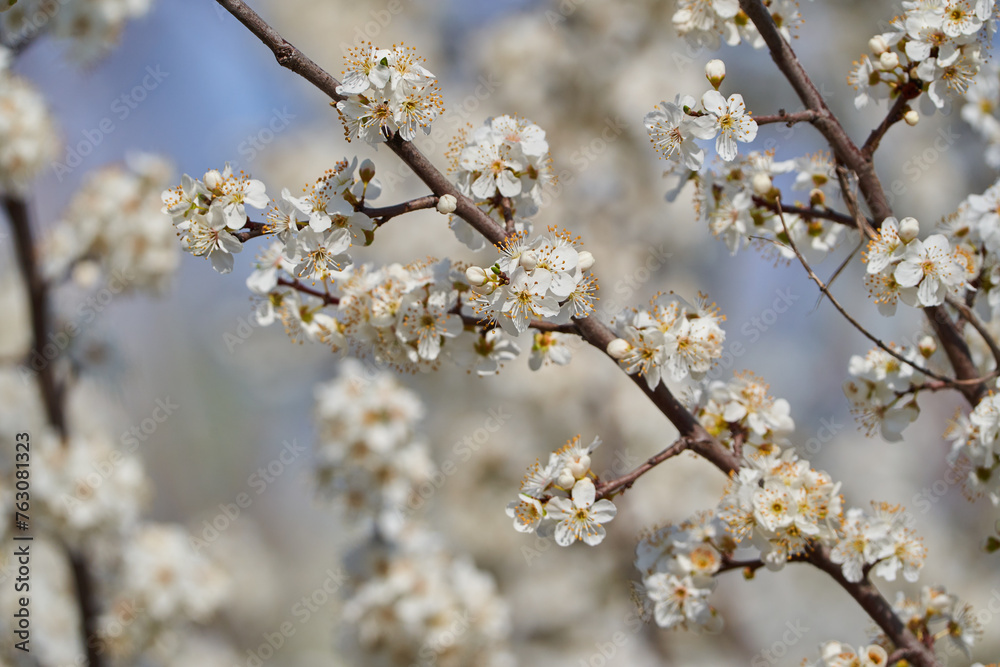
940	614
836	654
678	566
28	139
412	597
934	51
367	453
170	580
671	340
879	541
673	127
881	391
982	110
781	504
705	23
92	27
742	408
975	446
547	278
921	273
207	213
388	91
974	230
557	500
503	166
408	595
113	227
741	201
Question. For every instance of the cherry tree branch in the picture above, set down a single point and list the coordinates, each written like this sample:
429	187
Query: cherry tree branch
595	332
894	116
53	398
383	214
38	302
847	153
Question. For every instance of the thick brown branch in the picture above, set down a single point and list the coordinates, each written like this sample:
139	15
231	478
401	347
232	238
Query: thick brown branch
24	248
287	55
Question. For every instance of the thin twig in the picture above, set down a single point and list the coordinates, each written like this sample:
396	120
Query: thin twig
612	487
836	304
789	119
977	324
807	211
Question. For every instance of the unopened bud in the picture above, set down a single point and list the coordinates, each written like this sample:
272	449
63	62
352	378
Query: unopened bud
878	45
476	276
212	179
817	198
888	60
580	467
447	204
366	171
618	348
584	260
909	228
911	117
529	260
715	72
927	346
566	480
761	183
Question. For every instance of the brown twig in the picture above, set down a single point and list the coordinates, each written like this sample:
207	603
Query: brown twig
788	119
807	211
382	215
613	487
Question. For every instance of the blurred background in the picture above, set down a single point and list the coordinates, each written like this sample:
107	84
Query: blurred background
586	72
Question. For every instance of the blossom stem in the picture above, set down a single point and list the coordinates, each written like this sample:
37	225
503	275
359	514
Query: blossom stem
612	487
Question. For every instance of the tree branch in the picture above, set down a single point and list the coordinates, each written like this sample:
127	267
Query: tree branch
788	119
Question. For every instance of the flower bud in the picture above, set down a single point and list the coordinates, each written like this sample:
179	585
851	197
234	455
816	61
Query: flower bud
618	348
909	228
529	260
715	72
212	179
927	346
761	183
86	273
911	117
817	198
447	204
476	276
888	60
580	467
584	260
566	480
878	45
366	171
